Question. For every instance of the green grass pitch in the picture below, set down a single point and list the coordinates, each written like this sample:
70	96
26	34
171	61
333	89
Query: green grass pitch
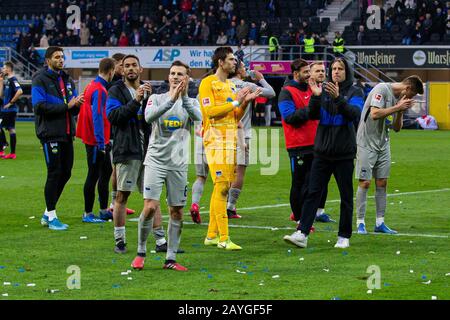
413	265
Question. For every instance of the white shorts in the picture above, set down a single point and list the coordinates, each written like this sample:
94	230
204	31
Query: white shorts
130	175
372	164
201	164
176	185
243	153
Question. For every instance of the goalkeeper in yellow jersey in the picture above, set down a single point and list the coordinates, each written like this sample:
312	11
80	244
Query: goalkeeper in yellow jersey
222	108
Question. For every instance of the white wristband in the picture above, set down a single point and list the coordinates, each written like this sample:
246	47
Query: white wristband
235	103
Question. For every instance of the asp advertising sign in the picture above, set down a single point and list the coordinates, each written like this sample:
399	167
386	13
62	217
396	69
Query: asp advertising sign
410	57
150	57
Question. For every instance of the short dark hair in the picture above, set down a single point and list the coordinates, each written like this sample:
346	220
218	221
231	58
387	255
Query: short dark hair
106	65
118	56
220	54
51	50
131	56
9	64
317	63
178	63
415	82
297	64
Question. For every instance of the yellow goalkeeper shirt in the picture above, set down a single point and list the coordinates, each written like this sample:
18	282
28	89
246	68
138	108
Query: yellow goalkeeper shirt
220	117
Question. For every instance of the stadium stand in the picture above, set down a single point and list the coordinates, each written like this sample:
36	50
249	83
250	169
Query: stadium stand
154	23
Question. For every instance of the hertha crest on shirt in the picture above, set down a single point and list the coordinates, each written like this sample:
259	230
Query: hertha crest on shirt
206	102
378	97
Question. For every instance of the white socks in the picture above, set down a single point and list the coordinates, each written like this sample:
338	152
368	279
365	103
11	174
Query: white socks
50	214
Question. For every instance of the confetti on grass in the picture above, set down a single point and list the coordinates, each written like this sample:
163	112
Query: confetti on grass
52	290
31	285
83	238
4	295
275	276
427	282
116	286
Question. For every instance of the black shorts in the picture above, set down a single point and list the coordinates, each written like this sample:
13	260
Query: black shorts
8	120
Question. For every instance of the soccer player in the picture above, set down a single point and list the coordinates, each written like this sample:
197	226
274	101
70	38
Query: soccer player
56	104
373	157
201	172
11	91
118	76
166	161
222	108
334	149
93	129
244	134
123	106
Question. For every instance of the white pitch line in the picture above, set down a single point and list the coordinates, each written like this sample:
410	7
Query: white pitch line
319	230
329	201
338	200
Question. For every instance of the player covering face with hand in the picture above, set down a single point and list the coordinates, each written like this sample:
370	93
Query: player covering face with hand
373	159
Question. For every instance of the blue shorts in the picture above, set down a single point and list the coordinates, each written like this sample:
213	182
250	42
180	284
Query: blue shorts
8	120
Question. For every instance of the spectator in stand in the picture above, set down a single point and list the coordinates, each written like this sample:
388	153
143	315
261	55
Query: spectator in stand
135	38
125	18
418	34
253	33
177	38
108	24
60	24
204	34
123	40
242	31
212	23
407	32
49	24
439	21
410	4
100	35
231	34
33	57
264	33
84	35
43	43
224	22
228	7
222	39
186	7
71	40
306	27
399	7
427	26
388	24
360	37
390	11
285	42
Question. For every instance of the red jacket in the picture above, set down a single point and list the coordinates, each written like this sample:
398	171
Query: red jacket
93	127
299	131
